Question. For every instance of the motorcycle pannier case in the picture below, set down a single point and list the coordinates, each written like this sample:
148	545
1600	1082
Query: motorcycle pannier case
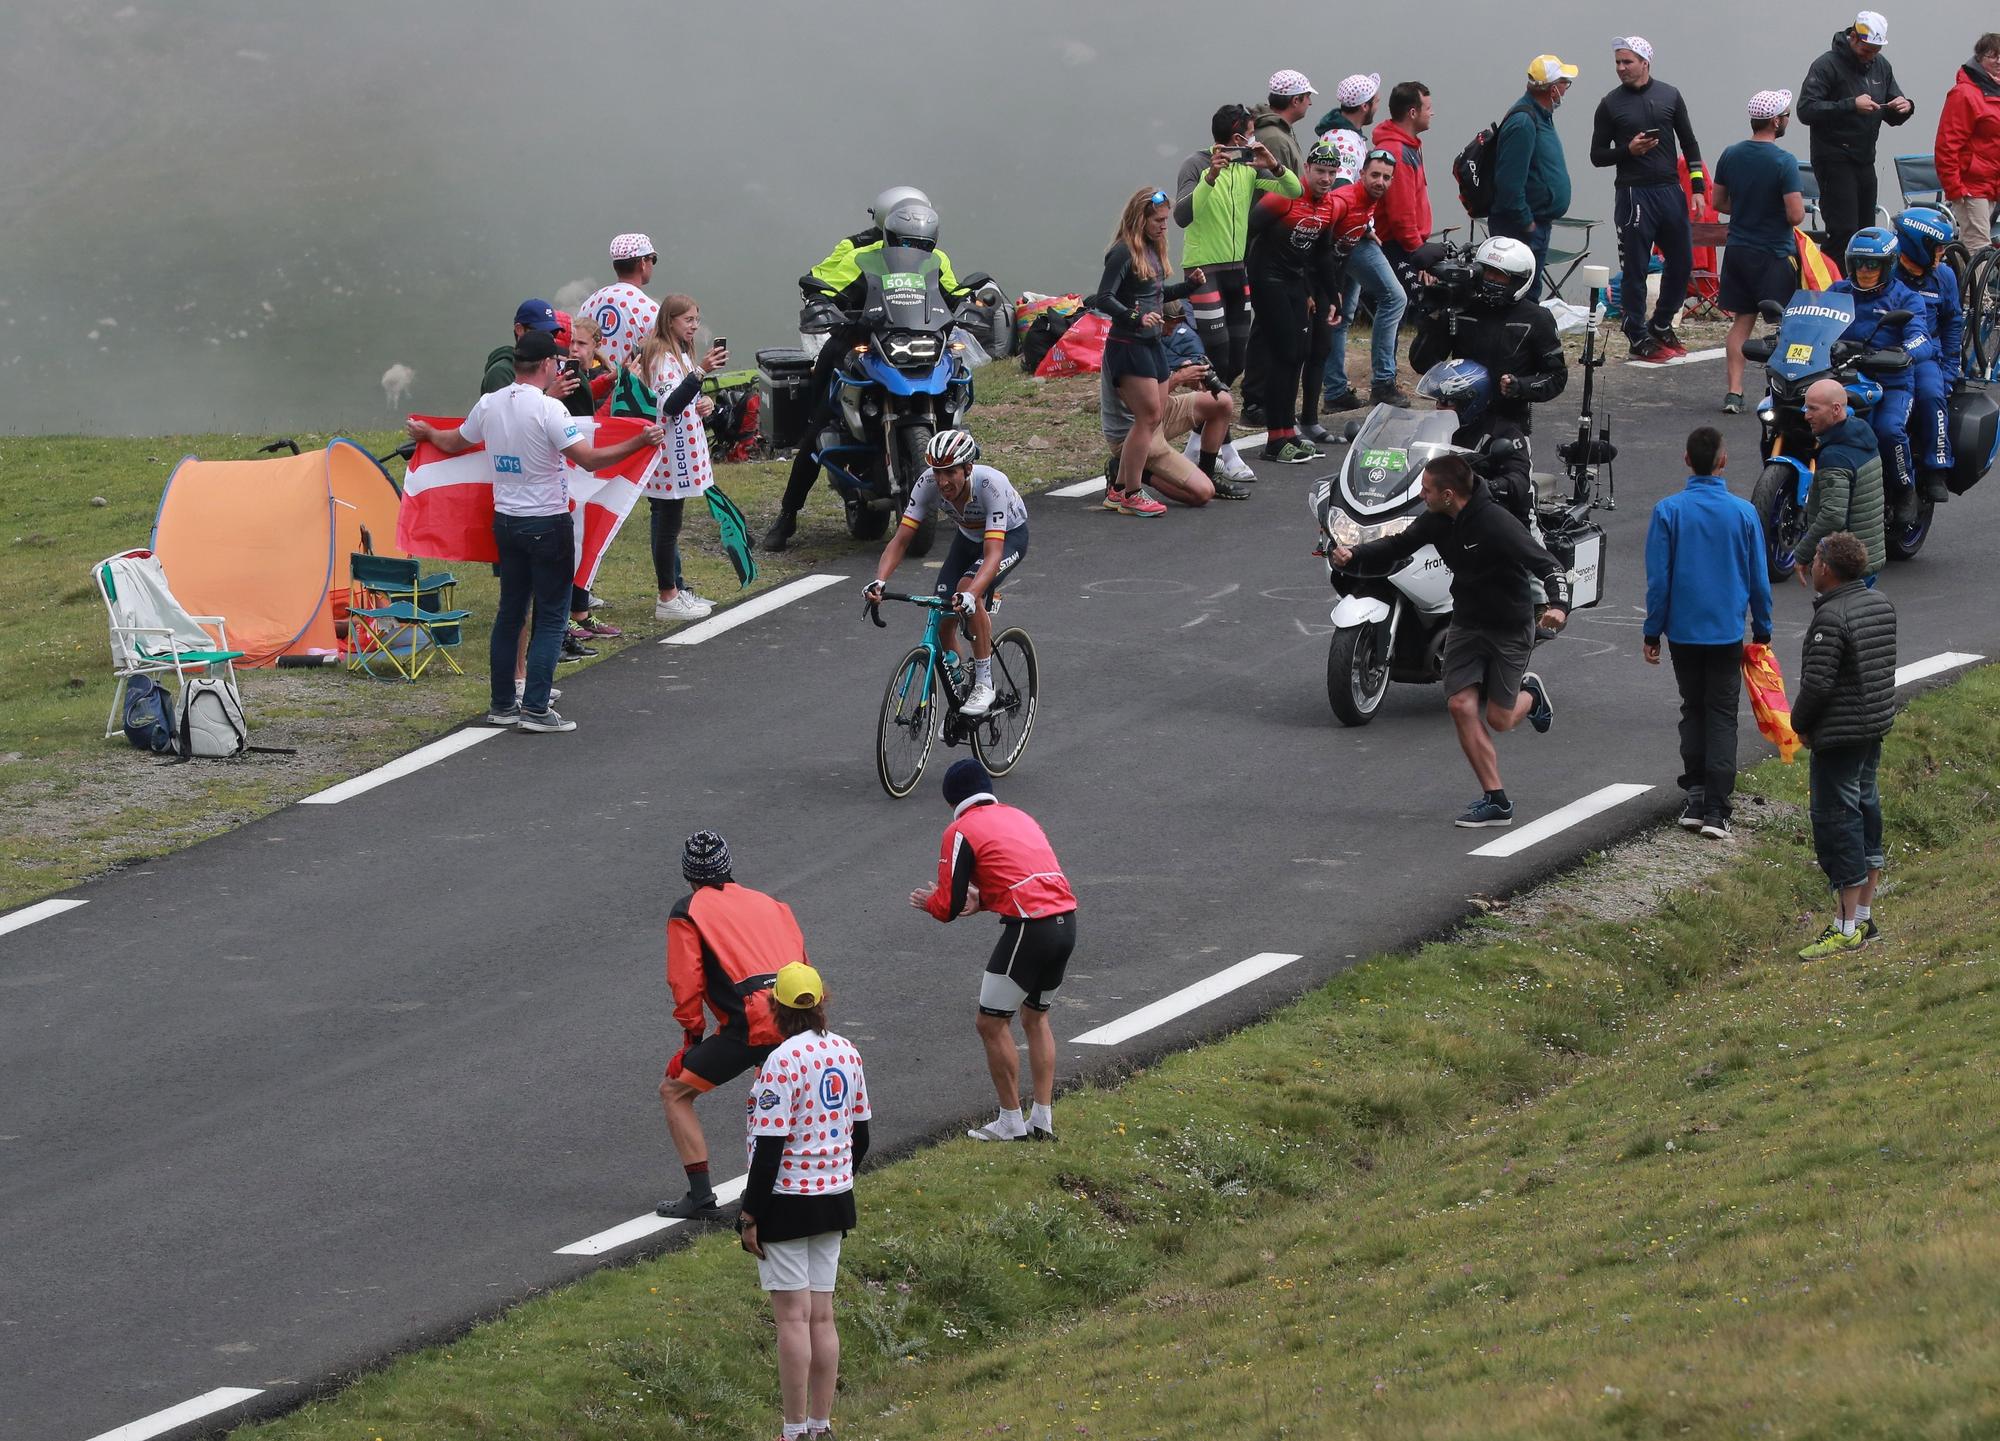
786	376
1975	435
1581	550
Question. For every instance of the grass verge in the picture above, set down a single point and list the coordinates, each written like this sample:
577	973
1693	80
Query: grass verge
1637	1177
73	805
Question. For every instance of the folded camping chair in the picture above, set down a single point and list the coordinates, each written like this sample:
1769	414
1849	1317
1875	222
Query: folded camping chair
1917	178
1563	260
151	634
1809	192
400	618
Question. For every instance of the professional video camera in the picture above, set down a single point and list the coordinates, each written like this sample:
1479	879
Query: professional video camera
1441	280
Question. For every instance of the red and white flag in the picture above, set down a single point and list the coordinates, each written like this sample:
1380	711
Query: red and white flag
447	509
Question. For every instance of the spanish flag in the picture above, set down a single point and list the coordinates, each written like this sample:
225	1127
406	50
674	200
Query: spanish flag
1817	269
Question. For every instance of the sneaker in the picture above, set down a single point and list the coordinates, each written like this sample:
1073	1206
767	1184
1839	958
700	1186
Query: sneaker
1716	828
591	628
1649	351
574	649
1111	492
1317	434
521	689
1390	393
1830	942
1542	714
997	1130
1671	343
1230	490
979	702
1291	452
1693	813
1139	503
684	606
1732	403
1486	812
691	1207
782	530
511	716
1345	400
1868	930
545	720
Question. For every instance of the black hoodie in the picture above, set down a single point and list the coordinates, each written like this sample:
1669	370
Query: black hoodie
1491	556
1826	100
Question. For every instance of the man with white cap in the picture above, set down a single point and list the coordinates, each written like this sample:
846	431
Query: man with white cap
1757	187
1637	131
1848	95
1289	98
1530	176
624	313
1368	273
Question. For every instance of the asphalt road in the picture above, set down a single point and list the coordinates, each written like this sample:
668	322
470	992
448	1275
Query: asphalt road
349	1077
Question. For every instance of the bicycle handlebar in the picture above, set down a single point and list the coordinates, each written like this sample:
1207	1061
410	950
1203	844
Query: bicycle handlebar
873	608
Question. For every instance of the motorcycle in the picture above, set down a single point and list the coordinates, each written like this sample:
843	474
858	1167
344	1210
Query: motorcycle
907	380
1807	347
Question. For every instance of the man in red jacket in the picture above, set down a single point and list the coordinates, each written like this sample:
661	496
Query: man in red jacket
995	858
1968	143
1403	218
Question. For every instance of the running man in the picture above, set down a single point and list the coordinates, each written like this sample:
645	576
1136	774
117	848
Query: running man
995	858
992	537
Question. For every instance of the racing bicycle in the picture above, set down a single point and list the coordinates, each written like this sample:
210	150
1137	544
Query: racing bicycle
926	689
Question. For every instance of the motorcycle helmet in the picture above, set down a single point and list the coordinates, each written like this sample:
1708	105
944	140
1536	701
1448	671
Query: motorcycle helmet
1512	259
1864	393
1460	385
911	222
1921	232
951	448
1871	254
889	199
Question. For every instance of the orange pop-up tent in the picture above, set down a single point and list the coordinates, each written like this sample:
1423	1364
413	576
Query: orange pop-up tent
265	543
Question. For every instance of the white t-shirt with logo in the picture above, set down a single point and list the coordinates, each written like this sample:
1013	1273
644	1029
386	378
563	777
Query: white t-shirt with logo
810	1091
626	315
525	432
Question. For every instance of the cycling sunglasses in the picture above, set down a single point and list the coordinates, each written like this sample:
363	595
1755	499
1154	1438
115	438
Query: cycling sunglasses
1388	155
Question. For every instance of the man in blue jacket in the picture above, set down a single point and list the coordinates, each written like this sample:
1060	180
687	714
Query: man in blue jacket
1704	565
1530	176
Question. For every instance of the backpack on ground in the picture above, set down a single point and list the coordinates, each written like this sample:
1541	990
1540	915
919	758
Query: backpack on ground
149	715
1473	170
1048	327
212	725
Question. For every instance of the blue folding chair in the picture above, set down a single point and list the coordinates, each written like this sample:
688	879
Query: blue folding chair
401	618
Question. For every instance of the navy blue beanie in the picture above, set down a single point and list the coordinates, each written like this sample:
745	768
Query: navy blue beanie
705	860
966	778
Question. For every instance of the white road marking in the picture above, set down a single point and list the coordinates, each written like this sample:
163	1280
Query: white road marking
1097	483
640	1227
1693	357
161	1422
1558	821
1915	670
764	604
416	760
39	911
1186	999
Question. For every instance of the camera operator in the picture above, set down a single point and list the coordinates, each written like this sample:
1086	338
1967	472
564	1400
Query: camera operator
1479	310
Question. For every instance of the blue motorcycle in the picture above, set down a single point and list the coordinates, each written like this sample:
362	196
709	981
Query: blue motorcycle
903	379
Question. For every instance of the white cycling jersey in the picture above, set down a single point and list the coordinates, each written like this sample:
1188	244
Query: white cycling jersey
992	508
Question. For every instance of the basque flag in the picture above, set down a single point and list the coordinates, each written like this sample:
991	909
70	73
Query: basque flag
447	509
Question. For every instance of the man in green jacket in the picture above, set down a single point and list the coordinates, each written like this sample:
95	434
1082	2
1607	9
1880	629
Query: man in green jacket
528	315
1847	480
1213	195
1530	176
1290	97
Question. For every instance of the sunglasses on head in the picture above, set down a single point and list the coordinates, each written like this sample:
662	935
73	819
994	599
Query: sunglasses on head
1388	155
1159	197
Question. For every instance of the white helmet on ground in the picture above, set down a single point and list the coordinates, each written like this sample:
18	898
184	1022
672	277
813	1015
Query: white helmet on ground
951	448
1511	258
892	197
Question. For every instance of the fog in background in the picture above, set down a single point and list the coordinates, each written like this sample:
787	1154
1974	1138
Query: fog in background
220	216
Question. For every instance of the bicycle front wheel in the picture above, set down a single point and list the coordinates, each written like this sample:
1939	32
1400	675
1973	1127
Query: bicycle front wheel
908	725
1001	735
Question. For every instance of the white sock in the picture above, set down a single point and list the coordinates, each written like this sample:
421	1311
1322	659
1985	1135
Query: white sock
796	1428
982	671
1228	453
820	1423
1040	1115
1861	913
1192	450
1011	1119
1847	926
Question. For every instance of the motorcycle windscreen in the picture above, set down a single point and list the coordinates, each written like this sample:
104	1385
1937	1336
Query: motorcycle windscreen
1813	321
911	295
1389	451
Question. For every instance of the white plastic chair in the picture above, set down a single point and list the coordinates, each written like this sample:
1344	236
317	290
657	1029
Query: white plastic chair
151	633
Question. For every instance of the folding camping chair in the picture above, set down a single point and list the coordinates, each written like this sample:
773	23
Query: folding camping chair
1809	192
151	633
398	616
1917	178
1563	260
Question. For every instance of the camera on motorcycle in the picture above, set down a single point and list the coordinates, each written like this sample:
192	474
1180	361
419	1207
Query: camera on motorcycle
1771	310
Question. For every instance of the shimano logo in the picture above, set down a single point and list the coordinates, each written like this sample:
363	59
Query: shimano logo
1820	312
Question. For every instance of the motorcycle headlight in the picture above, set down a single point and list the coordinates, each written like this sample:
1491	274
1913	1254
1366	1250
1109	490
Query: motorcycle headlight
907	348
1342	527
1386	529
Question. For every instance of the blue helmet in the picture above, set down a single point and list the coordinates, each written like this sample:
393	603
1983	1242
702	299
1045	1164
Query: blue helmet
1462	385
1873	249
1922	231
1864	393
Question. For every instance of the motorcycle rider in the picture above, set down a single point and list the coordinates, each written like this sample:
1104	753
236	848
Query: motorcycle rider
1509	334
1871	257
1920	233
902	216
1464	388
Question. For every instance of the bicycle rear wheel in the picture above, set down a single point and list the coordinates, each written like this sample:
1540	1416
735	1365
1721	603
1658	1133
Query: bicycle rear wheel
1982	315
1002	734
908	724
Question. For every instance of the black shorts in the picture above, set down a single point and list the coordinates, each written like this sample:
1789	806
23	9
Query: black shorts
965	554
719	1059
1144	357
1492	660
1026	967
1750	277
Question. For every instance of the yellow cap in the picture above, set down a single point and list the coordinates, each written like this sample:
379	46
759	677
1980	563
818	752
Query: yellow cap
799	986
1547	69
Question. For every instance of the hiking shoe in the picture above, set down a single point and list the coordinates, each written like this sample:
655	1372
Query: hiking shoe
1693	814
1830	942
1291	452
1230	490
1542	714
1732	403
1486	812
979	702
1345	400
1650	352
1716	828
591	628
684	606
521	689
782	530
1317	434
691	1207
545	720
511	716
1390	393
574	649
1139	503
998	1130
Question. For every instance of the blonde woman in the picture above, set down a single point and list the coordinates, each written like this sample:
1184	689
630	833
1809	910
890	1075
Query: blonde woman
666	362
1134	293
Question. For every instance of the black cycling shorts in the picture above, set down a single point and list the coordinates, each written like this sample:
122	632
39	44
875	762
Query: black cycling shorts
965	554
1026	967
719	1059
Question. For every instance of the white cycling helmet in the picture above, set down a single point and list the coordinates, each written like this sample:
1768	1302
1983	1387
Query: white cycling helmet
951	448
889	199
1511	258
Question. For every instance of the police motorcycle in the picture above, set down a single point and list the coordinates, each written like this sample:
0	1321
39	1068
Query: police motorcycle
904	381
